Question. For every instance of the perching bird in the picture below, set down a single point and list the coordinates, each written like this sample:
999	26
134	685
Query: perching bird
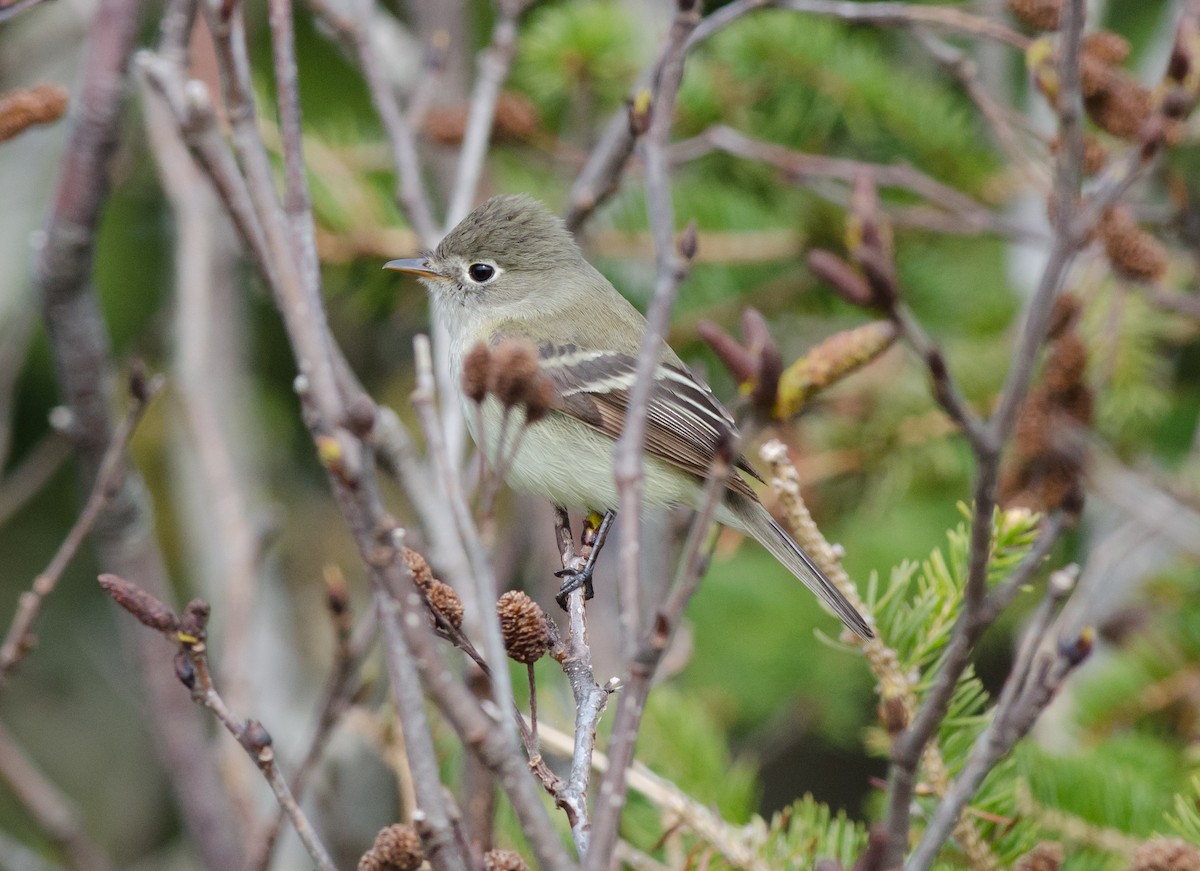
511	270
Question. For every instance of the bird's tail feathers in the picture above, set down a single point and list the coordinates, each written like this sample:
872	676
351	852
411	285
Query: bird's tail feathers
773	537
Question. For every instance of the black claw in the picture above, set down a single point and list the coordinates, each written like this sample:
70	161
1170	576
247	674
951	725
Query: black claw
572	581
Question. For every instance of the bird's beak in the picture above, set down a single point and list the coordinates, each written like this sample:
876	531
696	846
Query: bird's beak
414	266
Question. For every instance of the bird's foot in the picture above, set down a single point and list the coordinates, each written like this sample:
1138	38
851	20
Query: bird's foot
572	580
595	531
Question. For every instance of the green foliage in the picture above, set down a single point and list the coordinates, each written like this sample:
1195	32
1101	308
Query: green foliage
578	58
1128	366
1185	817
806	831
816	84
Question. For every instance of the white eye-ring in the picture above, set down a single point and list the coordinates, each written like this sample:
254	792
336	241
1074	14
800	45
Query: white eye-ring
482	272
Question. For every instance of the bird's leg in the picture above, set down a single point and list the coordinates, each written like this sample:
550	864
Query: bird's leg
591	540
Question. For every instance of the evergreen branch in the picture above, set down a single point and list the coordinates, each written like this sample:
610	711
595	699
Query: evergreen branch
972	620
1038	671
897	692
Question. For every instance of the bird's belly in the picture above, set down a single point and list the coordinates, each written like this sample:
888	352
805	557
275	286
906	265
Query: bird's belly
570	463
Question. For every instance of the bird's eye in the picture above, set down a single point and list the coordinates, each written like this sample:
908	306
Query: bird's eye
481	272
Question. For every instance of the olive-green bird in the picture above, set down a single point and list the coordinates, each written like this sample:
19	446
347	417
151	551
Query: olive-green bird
511	270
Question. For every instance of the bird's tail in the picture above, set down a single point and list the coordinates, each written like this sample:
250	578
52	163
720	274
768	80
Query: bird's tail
757	521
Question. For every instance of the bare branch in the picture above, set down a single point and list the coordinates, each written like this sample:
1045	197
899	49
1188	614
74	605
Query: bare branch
493	70
20	638
965	214
671	270
189	633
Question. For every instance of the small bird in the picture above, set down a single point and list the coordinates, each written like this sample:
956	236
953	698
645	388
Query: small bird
511	270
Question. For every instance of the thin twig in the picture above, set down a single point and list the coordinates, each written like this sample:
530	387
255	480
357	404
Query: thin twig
967	214
32	473
189	634
972	620
945	18
493	70
484	593
354	26
671	270
351	646
20	638
642	666
575	656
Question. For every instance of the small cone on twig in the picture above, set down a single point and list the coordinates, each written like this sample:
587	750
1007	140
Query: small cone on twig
1040	473
443	597
397	848
1165	854
421	572
1133	253
524	627
503	860
1037	14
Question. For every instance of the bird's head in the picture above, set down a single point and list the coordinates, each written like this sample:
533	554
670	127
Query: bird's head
508	249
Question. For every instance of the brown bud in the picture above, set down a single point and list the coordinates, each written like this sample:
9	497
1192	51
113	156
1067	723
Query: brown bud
841	276
689	241
866	227
194	622
398	848
768	360
514	366
255	737
893	715
1037	14
524	626
1184	54
1106	47
360	415
729	351
371	862
22	109
1121	108
1046	856
516	118
185	671
503	860
148	610
540	399
1080	649
1063	315
476	366
337	598
1165	854
446	601
1133	253
422	574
